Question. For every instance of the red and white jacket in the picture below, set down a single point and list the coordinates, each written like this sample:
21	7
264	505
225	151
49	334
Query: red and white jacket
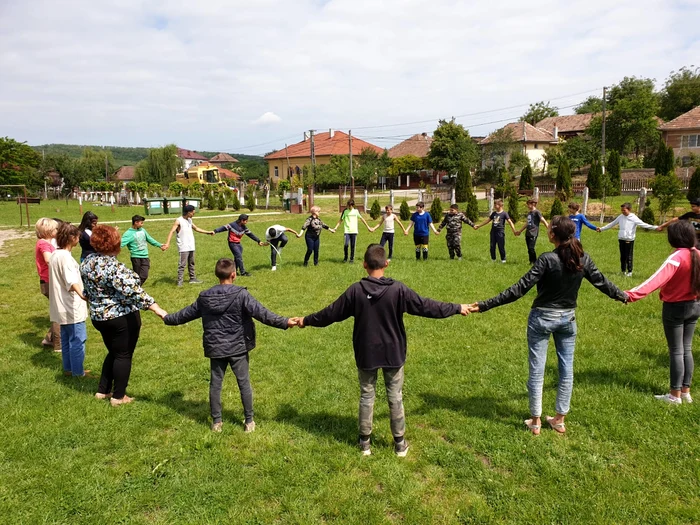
673	277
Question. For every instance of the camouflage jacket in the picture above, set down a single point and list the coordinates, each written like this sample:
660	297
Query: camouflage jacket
454	223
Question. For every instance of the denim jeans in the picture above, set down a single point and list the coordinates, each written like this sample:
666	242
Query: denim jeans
313	244
73	337
679	326
393	381
350	239
540	325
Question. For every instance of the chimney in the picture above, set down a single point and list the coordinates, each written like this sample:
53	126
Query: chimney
331	133
524	133
556	133
306	136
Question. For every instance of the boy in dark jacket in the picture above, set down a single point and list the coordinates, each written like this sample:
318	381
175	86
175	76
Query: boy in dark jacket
227	313
379	338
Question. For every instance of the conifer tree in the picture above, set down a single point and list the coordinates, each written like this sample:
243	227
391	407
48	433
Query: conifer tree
614	173
436	210
557	209
404	211
564	179
526	180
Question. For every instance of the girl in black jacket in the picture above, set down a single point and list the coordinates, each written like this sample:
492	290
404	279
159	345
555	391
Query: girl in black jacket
558	276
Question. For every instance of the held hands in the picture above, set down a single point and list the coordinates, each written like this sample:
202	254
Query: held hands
598	229
263	243
332	230
298	235
295	321
164	247
210	233
517	234
159	311
473	308
660	228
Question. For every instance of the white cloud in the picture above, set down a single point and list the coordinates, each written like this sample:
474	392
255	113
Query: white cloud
267	118
127	72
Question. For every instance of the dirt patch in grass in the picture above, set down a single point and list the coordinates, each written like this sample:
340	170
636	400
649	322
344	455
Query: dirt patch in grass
11	235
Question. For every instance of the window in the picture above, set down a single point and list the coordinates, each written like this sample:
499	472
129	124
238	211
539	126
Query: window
537	146
690	141
277	172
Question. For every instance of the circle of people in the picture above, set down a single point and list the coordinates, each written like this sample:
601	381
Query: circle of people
115	296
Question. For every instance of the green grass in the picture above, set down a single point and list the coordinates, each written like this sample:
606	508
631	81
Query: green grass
68	458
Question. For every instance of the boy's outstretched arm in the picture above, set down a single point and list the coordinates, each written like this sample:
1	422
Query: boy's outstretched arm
488	220
425	307
335	312
187	314
172	230
257	311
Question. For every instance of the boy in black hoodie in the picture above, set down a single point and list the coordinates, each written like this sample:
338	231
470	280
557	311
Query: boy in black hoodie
379	338
227	313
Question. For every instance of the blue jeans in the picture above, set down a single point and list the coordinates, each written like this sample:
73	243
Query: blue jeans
540	325
73	337
393	381
313	244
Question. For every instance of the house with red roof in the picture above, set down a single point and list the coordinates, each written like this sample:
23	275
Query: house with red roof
290	160
683	134
566	126
190	157
530	140
222	158
125	174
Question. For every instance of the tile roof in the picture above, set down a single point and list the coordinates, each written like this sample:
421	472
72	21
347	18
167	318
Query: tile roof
689	120
190	154
223	157
324	145
524	132
228	174
418	146
566	123
125	173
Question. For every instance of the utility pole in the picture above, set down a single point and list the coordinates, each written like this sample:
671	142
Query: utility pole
313	155
106	177
352	178
602	154
289	168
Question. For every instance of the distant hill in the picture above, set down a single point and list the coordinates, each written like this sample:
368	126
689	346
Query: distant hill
126	156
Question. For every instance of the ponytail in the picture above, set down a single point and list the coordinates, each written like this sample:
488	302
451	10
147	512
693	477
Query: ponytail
681	234
695	270
570	250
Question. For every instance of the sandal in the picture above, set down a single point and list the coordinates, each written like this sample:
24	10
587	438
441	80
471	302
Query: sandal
535	429
560	428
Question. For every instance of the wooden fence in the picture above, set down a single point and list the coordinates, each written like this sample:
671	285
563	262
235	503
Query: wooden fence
628	186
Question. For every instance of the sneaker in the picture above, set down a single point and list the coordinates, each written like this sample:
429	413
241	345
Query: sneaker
364	447
100	395
217	427
352	261
388	260
245	274
46	342
274	268
58	350
503	261
249	427
123	401
459	258
401	448
306	264
685	397
196	281
179	285
668	398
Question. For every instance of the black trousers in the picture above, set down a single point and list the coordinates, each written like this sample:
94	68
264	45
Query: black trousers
530	242
498	238
141	265
240	366
388	238
120	336
279	243
626	255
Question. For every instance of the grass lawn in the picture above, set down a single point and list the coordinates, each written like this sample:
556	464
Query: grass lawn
69	458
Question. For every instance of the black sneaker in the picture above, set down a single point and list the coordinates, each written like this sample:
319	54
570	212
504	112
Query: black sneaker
245	274
195	281
364	447
401	448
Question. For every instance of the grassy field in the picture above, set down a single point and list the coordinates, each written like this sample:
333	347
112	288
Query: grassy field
69	458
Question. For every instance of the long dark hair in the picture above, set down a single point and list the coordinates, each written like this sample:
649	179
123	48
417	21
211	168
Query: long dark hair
681	234
570	250
88	217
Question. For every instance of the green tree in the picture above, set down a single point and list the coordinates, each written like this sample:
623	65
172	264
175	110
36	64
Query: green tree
499	148
517	161
526	179
404	211
557	209
694	186
160	166
514	205
463	185
250	197
592	104
539	111
369	166
451	146
436	209
376	210
502	184
221	205
665	186
579	151
405	164
648	213
563	180
176	188
235	202
631	125
94	165
594	181
681	92
211	200
472	211
614	173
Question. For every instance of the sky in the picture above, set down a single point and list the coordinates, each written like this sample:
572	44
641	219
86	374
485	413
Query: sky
250	76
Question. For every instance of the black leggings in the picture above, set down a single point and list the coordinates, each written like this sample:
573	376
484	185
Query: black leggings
120	336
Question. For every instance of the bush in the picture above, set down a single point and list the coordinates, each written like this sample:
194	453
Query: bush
513	205
222	201
436	209
694	186
526	180
211	201
235	202
614	170
250	197
594	181
376	210
463	186
404	211
472	211
648	213
564	179
557	209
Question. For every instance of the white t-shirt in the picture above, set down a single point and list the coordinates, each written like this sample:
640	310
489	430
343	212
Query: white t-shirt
65	307
279	230
389	223
185	237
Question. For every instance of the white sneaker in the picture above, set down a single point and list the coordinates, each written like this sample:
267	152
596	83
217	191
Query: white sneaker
685	397
274	268
668	398
503	261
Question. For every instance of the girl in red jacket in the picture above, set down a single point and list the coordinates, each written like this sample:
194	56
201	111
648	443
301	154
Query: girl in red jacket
679	280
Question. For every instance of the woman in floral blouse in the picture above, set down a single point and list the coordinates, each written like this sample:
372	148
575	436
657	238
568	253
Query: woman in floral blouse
115	297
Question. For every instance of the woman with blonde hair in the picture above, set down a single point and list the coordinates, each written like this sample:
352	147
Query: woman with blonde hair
313	226
45	229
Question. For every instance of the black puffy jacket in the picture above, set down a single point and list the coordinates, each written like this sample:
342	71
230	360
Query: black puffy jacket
227	313
556	287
